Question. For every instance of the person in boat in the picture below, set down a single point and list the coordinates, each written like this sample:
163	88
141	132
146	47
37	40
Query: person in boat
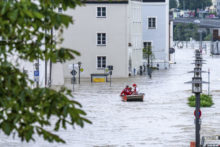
130	91
126	91
135	89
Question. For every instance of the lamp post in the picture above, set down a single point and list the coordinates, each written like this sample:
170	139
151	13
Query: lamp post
73	72
73	76
197	89
36	73
79	66
110	68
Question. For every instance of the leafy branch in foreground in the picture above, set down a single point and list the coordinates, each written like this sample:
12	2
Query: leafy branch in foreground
26	111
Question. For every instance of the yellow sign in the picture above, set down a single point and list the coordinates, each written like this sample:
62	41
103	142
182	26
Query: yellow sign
81	69
98	80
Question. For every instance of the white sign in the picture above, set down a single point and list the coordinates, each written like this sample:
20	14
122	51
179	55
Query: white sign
70	66
36	79
212	137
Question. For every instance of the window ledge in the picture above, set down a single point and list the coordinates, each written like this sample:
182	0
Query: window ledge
101	45
99	68
152	28
100	16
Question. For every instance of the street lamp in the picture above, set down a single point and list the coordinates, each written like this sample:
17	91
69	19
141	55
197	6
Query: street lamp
198	56
197	89
197	84
79	66
197	72
198	62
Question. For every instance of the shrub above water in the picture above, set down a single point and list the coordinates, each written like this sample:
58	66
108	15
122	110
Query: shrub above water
205	101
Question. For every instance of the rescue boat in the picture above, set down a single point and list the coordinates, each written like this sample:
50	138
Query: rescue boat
130	98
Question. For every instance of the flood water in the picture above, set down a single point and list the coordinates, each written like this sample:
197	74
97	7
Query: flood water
163	120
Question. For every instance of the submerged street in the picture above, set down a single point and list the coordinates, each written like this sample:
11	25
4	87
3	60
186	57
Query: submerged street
163	120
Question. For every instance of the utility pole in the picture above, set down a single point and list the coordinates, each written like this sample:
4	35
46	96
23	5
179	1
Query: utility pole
110	68
79	67
50	76
73	76
36	73
197	89
209	82
149	52
45	61
197	119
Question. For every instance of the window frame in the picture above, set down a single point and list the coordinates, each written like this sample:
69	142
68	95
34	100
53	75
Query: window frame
102	40
101	12
97	64
148	22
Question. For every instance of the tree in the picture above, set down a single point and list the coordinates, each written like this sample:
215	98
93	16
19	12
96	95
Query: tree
25	111
194	4
183	32
173	4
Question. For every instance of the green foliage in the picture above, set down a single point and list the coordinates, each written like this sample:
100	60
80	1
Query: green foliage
205	101
26	111
183	32
208	37
194	4
147	51
148	54
173	4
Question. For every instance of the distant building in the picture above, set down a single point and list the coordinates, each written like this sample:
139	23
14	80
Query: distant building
218	7
155	18
215	7
106	33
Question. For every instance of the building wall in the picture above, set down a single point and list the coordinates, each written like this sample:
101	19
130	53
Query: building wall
159	36
135	35
218	7
82	36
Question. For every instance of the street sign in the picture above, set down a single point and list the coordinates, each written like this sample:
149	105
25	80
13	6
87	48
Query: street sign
110	67
70	66
36	73
36	79
200	113
217	137
73	72
81	69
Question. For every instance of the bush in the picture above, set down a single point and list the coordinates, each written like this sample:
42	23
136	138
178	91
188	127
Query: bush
205	101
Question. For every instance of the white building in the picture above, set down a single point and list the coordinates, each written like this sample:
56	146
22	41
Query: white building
215	7
105	33
218	7
155	18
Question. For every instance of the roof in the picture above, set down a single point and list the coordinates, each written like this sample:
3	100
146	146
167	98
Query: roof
106	1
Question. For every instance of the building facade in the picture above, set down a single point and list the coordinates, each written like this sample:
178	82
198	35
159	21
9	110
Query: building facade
105	33
155	18
218	7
